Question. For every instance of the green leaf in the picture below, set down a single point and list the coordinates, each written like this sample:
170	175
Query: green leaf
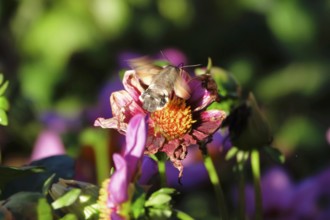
67	199
275	154
69	217
4	104
160	213
47	184
3	88
160	197
137	207
3	118
44	210
10	173
231	153
1	78
158	200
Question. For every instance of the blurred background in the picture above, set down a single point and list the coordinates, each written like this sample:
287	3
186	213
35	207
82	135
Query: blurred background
63	58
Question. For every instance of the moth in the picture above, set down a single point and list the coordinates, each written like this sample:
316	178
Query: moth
160	83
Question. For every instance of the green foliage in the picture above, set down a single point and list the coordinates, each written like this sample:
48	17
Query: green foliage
4	104
158	204
67	199
44	210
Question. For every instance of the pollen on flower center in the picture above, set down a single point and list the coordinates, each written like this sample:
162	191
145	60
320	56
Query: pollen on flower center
174	120
103	201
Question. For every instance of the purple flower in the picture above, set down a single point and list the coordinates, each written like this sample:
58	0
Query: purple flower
114	191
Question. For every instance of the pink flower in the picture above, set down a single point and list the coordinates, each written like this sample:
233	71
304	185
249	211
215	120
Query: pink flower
48	144
114	191
172	129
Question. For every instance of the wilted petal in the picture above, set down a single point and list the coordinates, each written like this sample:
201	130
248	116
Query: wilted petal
154	142
200	96
118	185
132	84
124	106
135	142
111	123
208	123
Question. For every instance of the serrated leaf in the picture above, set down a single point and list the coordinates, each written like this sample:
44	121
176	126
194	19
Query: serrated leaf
3	88
4	104
275	154
231	153
44	210
3	118
67	199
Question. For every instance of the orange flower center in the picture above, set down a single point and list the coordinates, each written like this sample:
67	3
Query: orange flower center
174	120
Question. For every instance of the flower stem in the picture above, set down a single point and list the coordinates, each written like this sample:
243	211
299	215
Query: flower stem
161	162
255	165
215	180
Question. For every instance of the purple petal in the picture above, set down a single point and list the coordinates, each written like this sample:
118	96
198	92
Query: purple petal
208	123
149	169
200	96
116	216
135	142
118	185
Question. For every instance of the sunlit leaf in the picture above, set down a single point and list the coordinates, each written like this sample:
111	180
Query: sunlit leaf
69	217
44	210
3	88
67	199
47	184
4	104
137	208
3	118
160	197
231	153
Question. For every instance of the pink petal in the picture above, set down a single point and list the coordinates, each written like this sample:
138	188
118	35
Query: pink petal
135	142
154	142
123	106
200	96
118	186
208	123
132	85
48	144
123	109
111	123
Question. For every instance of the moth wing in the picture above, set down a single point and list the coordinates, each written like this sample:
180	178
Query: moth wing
181	88
145	69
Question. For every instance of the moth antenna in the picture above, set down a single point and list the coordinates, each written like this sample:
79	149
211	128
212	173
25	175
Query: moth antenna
189	66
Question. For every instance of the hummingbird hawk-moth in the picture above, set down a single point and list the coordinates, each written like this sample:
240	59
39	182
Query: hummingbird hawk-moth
161	82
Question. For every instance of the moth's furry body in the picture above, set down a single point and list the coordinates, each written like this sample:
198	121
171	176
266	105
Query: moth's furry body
161	82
